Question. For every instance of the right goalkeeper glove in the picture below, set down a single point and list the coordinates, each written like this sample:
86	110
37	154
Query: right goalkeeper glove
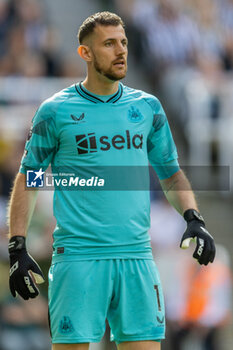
196	231
21	265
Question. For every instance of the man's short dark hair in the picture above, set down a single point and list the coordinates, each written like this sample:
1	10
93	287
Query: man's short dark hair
100	18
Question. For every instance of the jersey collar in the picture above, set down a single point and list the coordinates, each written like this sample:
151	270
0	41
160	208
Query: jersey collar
91	97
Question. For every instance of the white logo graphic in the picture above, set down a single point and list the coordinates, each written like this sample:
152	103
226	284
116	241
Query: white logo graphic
35	178
27	281
200	249
14	268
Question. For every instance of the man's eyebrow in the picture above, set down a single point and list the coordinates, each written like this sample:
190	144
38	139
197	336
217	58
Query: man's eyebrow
114	39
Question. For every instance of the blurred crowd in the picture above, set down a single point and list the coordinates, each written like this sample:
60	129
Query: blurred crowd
30	44
185	50
196	34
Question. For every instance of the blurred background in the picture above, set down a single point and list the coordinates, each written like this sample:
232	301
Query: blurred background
179	50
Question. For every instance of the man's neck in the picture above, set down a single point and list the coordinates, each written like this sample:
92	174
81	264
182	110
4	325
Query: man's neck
101	87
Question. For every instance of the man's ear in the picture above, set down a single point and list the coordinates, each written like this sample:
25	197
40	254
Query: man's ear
84	52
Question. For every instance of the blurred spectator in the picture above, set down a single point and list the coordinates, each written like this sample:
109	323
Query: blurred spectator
164	23
31	64
211	38
30	14
70	67
225	9
5	23
29	46
24	324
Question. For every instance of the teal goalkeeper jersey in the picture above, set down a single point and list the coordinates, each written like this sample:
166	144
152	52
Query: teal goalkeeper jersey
76	131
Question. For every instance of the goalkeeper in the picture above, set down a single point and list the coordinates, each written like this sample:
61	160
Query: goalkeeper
102	264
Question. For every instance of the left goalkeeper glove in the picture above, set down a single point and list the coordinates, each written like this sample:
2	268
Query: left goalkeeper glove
196	231
21	265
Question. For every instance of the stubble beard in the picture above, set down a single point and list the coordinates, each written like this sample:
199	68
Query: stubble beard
108	72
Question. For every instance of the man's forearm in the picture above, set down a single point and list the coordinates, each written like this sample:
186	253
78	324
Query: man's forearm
25	273
179	193
21	207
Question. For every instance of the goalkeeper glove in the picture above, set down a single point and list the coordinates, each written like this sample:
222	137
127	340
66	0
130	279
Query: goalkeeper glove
22	268
196	231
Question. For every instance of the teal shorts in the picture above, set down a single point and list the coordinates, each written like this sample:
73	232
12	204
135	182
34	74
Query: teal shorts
126	292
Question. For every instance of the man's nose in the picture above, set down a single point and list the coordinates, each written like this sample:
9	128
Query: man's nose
121	49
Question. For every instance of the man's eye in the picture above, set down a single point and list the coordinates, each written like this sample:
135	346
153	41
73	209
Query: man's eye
108	44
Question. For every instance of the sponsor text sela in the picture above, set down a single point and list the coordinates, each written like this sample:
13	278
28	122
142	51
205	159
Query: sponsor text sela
87	143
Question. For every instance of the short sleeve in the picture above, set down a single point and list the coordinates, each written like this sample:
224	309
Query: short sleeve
161	147
41	144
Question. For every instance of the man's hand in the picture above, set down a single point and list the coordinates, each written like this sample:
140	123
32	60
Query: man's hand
205	249
22	268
